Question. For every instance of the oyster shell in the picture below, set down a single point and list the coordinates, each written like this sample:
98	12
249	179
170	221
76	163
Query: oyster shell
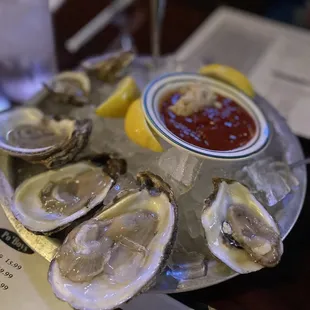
109	69
51	201
239	230
70	87
107	260
27	133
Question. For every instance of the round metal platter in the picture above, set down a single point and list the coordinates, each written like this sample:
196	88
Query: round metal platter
284	142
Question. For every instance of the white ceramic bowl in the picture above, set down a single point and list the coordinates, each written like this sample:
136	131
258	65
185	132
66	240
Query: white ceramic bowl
164	84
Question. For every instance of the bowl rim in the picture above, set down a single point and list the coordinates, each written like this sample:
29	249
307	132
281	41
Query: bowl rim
162	84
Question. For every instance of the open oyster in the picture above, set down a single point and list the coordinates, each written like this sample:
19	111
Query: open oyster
110	68
51	201
239	230
107	260
27	133
71	87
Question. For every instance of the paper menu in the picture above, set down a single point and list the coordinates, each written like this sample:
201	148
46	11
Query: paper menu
23	276
23	273
283	77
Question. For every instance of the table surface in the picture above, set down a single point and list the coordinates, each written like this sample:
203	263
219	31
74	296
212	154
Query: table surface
284	287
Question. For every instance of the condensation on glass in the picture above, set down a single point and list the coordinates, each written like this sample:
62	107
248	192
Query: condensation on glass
27	57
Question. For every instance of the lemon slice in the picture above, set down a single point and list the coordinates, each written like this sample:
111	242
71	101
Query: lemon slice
137	129
117	104
230	76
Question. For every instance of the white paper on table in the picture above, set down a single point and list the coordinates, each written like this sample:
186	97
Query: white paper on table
283	77
28	288
276	58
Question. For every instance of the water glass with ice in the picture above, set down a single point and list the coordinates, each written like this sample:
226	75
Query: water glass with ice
27	57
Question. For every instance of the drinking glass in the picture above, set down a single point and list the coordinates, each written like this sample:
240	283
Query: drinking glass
27	57
158	8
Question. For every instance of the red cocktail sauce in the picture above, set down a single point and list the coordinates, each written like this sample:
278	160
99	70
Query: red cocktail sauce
218	129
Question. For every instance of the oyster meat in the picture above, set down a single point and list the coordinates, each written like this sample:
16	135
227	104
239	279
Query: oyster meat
51	201
29	134
109	259
239	230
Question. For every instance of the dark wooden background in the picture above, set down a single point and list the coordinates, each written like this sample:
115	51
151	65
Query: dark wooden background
285	287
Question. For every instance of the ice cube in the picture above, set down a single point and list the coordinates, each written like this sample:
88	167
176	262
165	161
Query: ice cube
192	224
87	111
184	240
187	265
187	260
141	72
114	138
179	168
143	160
180	165
100	92
271	181
286	173
108	134
190	215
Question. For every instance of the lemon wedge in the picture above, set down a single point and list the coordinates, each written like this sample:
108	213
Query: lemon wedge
230	76
137	129
117	104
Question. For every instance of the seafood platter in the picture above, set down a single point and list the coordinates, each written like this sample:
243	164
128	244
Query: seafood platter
128	181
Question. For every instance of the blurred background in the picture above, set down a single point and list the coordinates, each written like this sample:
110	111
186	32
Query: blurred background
182	19
87	28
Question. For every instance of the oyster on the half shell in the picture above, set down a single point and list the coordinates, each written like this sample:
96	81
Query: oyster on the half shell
239	230
109	259
29	134
53	200
70	87
110	68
